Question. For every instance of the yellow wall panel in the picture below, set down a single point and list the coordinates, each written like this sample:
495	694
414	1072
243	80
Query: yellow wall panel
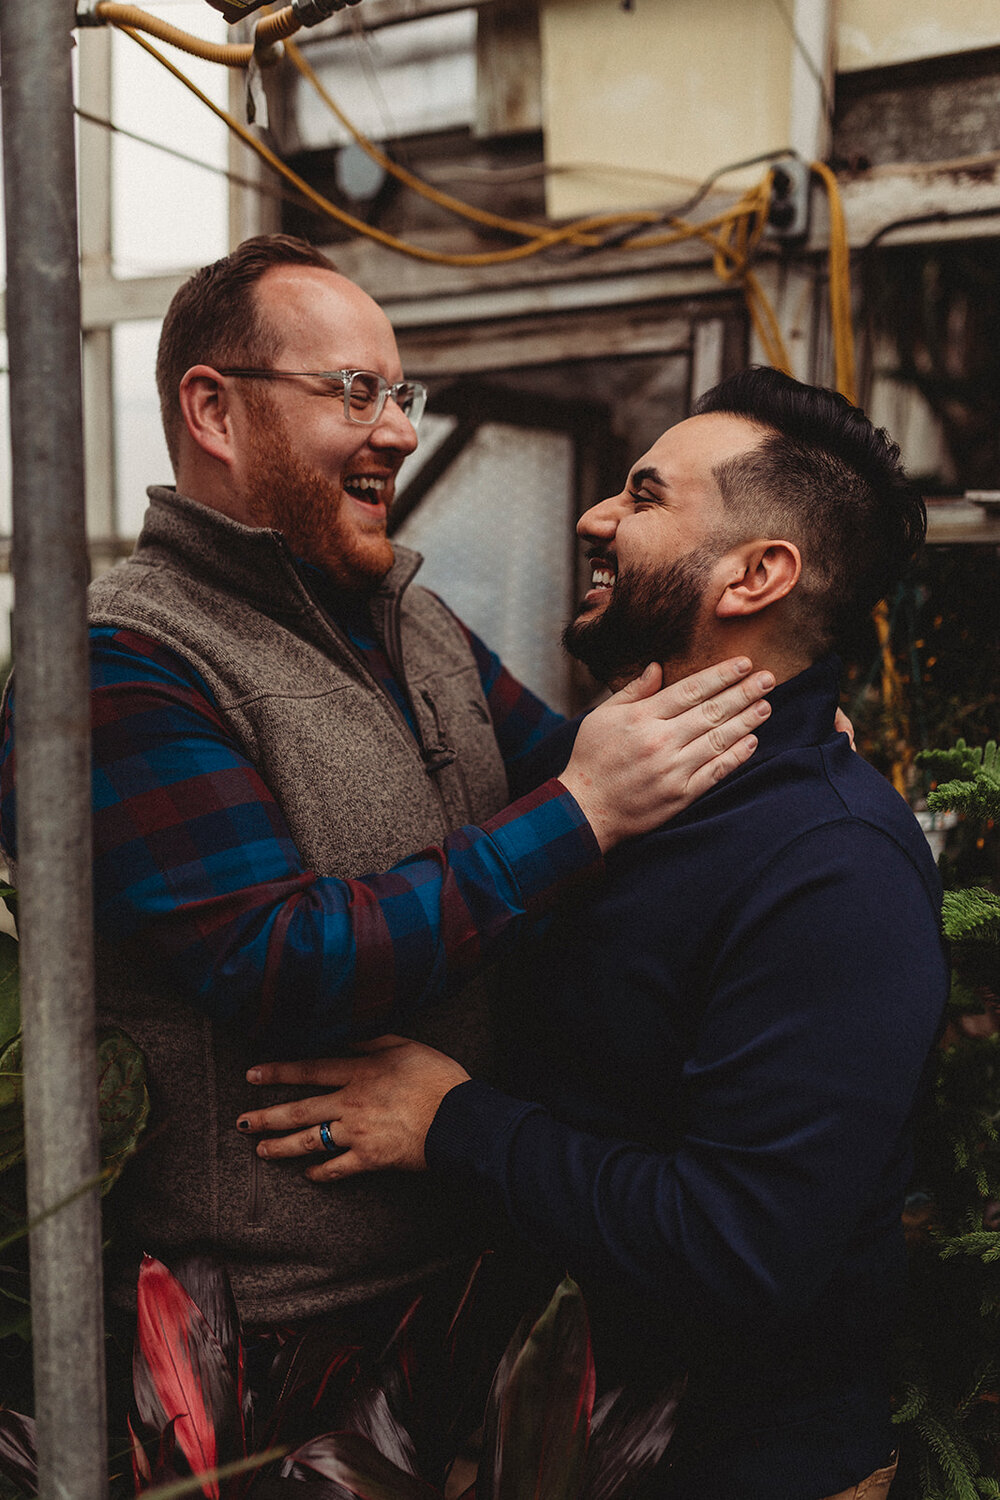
875	33
679	88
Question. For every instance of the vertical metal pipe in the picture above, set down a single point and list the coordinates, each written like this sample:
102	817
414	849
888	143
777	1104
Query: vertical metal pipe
53	745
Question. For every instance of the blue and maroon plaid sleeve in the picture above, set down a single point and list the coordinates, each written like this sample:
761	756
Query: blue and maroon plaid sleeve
195	871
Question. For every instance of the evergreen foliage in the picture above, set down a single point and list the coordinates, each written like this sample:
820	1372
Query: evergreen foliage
948	1407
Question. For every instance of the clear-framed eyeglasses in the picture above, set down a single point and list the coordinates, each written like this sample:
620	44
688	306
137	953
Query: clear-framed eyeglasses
364	393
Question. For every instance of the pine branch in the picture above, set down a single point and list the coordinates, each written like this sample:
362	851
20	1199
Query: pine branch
982	1243
974	787
956	1457
972	915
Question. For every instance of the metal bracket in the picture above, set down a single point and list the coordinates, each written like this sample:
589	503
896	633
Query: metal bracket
311	12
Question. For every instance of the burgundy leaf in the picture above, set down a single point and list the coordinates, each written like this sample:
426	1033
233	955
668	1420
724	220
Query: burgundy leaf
370	1416
208	1286
629	1433
142	1472
314	1373
545	1408
285	1487
188	1378
402	1347
488	1481
18	1457
352	1461
162	1467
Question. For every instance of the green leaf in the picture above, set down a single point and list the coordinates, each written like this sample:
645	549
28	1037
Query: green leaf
15	1310
10	1005
123	1100
11	1105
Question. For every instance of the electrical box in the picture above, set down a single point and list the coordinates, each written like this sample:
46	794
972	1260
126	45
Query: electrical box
788	212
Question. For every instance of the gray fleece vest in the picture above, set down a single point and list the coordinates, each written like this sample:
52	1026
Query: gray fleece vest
359	794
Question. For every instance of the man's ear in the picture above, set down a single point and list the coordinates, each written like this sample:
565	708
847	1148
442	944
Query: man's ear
205	407
757	574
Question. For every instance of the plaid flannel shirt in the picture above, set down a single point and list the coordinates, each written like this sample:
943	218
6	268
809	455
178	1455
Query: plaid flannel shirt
195	867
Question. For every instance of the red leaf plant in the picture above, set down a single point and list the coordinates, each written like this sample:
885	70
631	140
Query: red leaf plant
542	1437
448	1396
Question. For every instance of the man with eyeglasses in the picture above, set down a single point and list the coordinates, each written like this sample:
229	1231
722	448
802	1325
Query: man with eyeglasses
303	772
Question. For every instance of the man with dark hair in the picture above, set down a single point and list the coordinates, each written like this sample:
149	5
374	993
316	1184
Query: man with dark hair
723	1046
303	770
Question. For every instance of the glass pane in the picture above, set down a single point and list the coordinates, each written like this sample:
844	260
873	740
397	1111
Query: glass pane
140	449
396	81
168	214
497	535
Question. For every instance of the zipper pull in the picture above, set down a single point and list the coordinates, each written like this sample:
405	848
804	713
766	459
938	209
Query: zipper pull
436	757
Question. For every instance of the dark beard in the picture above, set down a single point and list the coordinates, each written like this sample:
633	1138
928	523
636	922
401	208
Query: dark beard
651	617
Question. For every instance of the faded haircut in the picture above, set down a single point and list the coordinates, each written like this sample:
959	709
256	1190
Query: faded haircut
825	478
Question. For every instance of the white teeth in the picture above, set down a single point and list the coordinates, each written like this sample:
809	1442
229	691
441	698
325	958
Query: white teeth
366	482
602	578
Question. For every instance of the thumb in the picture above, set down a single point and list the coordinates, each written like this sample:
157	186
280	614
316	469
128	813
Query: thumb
641	687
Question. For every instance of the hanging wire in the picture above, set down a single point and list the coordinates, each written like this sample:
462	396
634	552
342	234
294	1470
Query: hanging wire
267	189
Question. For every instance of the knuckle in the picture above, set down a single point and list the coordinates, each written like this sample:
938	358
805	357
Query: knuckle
714	710
717	740
722	767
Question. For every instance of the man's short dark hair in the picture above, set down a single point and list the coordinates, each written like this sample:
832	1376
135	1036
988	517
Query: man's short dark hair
828	480
214	318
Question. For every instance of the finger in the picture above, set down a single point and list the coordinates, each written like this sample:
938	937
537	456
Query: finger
328	1071
348	1165
720	766
643	686
295	1114
843	725
689	720
699	687
714	743
301	1143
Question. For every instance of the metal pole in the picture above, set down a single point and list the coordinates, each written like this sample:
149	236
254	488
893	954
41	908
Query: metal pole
53	746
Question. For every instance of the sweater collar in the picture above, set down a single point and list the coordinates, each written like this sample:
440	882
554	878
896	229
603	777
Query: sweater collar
252	562
802	711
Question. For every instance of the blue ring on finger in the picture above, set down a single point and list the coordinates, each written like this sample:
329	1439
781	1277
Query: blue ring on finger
329	1144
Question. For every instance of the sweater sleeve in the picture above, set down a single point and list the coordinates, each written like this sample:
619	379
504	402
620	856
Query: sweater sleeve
196	869
822	1009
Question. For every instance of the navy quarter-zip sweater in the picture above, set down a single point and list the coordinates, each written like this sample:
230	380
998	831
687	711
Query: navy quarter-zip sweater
723	1047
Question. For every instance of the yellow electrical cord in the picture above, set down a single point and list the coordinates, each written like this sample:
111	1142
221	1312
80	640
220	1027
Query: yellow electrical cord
582	231
840	286
739	228
893	696
269	29
425	189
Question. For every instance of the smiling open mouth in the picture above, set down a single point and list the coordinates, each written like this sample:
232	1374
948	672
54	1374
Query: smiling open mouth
366	487
602	573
